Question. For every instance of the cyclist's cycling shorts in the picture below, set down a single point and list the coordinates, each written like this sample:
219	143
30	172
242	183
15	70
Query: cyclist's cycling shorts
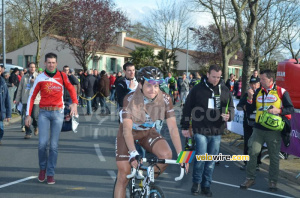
146	138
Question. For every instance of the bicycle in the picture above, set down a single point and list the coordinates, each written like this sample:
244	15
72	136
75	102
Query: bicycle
146	188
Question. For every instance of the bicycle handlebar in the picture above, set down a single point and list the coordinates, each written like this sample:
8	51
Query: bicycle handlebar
158	161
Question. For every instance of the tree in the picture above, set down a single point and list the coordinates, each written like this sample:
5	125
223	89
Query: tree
208	45
140	31
169	23
37	13
89	26
221	12
279	19
143	56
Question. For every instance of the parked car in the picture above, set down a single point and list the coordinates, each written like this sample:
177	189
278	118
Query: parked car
9	67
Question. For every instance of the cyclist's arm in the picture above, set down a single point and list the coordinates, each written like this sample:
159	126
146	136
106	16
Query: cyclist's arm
127	132
175	137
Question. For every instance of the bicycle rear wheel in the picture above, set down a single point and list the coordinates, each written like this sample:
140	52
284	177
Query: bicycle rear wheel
156	192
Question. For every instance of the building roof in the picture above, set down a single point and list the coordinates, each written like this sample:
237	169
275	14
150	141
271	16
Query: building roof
144	43
111	48
191	52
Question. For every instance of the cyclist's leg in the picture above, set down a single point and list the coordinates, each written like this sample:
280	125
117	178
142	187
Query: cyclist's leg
122	181
154	143
163	151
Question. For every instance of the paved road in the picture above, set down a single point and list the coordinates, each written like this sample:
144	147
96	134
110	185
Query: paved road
86	167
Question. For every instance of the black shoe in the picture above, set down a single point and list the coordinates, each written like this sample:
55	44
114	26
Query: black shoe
206	192
195	189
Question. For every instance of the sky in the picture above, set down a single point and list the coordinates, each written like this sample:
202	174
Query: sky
138	9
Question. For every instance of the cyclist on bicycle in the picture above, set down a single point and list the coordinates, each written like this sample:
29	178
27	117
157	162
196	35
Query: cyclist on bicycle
141	109
172	83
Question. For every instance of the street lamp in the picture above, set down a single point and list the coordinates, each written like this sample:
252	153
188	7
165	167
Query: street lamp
3	34
187	49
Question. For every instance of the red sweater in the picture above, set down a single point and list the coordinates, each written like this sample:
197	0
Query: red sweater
51	91
112	80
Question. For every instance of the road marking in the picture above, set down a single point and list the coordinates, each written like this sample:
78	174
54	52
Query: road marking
250	189
78	188
18	181
99	153
102	120
112	174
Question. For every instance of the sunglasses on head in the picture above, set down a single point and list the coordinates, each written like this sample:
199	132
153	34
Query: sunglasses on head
153	81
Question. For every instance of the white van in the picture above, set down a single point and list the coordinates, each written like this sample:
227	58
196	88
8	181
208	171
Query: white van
10	67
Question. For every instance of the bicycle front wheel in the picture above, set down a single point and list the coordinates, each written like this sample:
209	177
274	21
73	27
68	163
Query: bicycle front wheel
156	192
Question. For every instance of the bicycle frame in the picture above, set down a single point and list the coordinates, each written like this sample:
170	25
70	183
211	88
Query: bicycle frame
149	179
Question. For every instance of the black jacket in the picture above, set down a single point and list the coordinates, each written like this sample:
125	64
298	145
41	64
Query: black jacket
206	121
89	85
74	81
14	79
121	90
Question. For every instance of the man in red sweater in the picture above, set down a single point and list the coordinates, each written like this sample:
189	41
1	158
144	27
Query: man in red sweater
50	84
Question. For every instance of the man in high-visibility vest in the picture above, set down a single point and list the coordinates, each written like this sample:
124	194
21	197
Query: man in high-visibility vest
275	100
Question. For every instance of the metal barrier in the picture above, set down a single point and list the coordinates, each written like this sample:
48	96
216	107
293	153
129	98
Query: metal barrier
11	92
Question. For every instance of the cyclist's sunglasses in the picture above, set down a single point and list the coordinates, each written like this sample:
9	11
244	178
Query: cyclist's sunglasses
154	82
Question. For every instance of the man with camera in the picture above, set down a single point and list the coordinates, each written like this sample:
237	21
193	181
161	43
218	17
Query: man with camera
24	88
273	107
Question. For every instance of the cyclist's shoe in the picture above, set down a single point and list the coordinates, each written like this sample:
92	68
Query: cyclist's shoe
195	189
206	192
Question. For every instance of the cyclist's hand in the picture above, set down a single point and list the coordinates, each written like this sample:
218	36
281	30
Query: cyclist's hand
186	166
133	159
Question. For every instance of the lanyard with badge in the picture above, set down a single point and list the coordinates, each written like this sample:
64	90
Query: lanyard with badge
215	100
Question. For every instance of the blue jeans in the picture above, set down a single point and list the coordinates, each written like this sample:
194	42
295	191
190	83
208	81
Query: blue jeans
89	106
203	170
112	94
104	107
1	129
49	120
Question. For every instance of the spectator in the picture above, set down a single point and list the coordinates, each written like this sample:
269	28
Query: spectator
21	74
126	84
22	96
195	80
5	108
76	86
6	78
73	80
237	89
89	90
255	74
230	83
103	88
179	81
40	70
249	120
2	70
169	76
25	71
212	100
51	114
82	76
112	80
184	89
190	77
14	77
279	103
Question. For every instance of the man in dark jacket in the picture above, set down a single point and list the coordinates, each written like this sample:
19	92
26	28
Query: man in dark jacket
14	77
126	84
230	82
210	106
5	109
73	80
103	87
82	76
89	90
